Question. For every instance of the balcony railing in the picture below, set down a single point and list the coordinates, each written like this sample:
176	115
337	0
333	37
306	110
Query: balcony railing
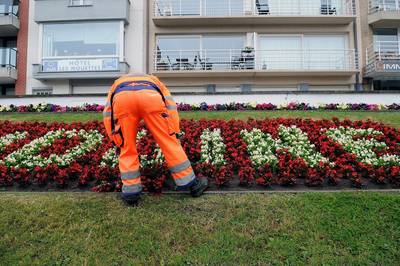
384	6
380	53
8	57
259	60
226	8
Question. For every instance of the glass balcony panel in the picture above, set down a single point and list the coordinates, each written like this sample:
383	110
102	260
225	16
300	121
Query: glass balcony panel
260	60
214	8
9	7
8	57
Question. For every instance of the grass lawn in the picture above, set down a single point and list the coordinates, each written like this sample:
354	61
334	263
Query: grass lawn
348	228
392	118
97	229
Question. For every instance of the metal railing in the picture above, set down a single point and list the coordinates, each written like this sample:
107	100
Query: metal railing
8	57
384	6
259	60
382	51
226	8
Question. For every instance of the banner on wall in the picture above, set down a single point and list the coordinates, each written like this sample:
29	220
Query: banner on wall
80	65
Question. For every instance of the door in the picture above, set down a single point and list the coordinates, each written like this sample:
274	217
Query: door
326	53
280	52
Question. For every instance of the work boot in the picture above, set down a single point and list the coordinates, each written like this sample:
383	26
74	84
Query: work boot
130	200
198	187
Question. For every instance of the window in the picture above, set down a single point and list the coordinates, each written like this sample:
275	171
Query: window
82	40
81	2
197	52
9	7
386	40
8	52
303	52
280	52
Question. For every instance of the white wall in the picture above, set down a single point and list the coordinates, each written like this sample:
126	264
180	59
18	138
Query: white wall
135	48
313	99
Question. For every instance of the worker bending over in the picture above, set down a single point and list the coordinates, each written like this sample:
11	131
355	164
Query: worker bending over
131	99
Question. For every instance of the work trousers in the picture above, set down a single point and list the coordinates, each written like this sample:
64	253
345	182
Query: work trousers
130	107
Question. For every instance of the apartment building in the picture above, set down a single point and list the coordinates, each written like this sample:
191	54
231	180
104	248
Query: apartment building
255	45
206	46
381	42
82	46
13	40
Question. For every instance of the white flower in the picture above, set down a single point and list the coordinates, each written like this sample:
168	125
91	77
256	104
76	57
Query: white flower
212	148
27	155
355	141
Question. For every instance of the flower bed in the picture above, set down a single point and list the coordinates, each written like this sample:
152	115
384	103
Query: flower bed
46	107
267	152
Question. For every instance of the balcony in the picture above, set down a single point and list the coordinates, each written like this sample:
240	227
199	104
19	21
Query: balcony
80	68
384	13
9	20
8	65
383	60
252	12
250	63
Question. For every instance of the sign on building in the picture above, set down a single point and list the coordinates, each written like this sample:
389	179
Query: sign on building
80	65
392	66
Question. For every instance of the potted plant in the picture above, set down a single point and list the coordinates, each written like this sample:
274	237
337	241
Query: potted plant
248	50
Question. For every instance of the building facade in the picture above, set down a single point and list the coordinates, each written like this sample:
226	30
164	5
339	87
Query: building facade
203	46
81	46
13	44
255	45
381	43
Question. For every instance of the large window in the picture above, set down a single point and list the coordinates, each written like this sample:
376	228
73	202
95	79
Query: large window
8	52
197	52
80	40
386	41
303	52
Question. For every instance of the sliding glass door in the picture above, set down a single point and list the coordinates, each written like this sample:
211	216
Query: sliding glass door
325	52
303	52
280	52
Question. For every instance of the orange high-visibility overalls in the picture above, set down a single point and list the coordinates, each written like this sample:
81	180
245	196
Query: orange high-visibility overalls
131	99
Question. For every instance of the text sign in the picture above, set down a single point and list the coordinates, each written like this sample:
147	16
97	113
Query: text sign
80	65
392	66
